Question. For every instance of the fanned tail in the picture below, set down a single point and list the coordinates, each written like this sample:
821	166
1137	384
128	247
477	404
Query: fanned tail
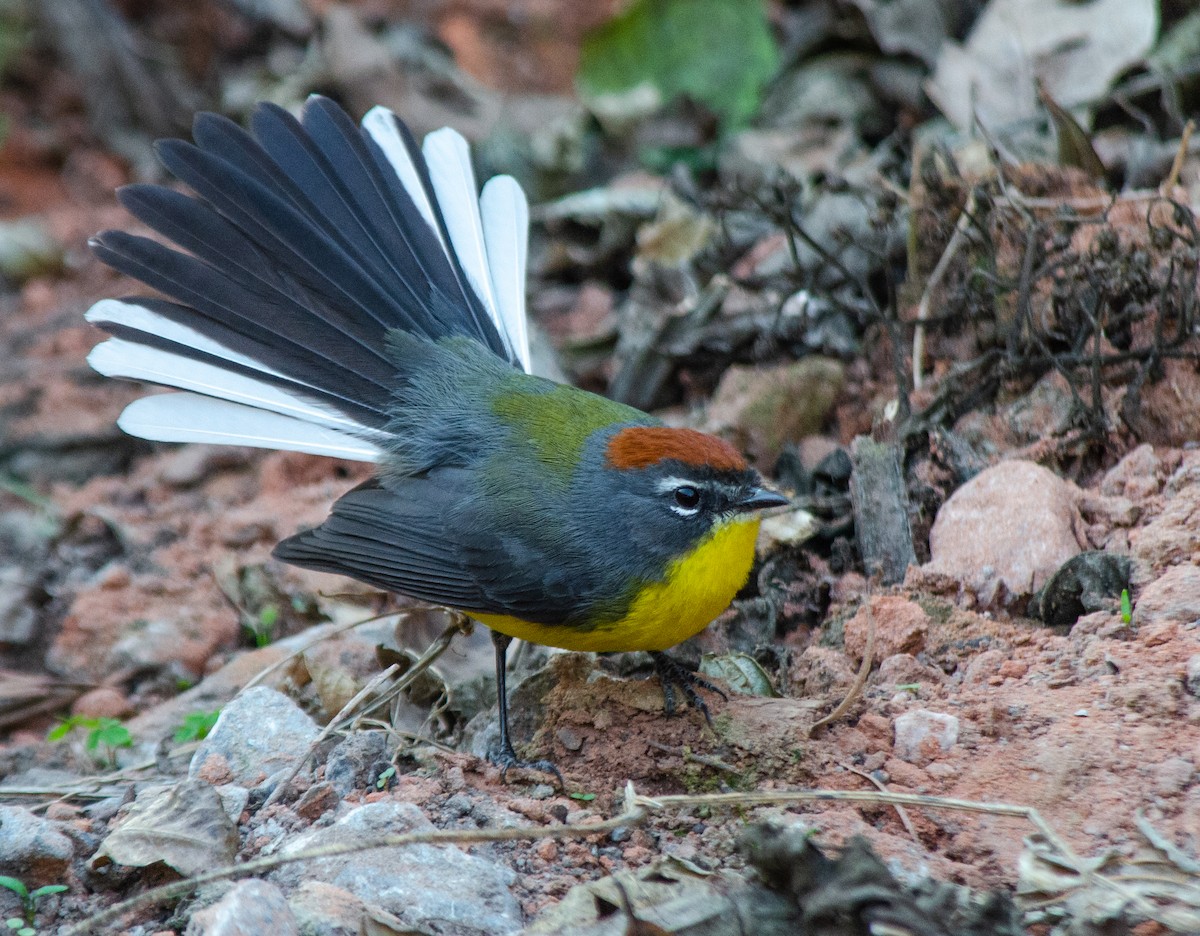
304	244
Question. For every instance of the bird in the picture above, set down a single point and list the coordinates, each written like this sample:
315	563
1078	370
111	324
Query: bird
332	287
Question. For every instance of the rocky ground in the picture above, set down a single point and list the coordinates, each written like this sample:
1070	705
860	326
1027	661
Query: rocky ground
1039	653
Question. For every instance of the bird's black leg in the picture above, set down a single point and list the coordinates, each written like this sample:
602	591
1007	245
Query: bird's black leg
672	673
506	758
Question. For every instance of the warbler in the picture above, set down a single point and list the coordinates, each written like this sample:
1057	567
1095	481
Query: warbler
342	291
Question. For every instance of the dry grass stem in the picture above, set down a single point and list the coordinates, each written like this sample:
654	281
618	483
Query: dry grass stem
635	810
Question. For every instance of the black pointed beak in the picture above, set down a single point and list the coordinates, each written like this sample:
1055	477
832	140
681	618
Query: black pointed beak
759	498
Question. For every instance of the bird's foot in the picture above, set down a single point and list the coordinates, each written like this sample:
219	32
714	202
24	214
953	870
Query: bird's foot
672	673
506	759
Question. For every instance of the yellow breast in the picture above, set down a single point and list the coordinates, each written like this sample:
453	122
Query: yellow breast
695	590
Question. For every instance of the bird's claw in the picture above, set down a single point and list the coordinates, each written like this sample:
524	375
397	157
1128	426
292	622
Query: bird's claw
672	673
506	759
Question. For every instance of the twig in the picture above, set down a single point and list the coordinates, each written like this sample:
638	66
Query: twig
460	624
363	693
780	797
635	810
1172	178
957	239
633	814
714	762
900	810
435	650
860	678
325	635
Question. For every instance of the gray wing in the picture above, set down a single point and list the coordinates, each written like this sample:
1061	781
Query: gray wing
415	538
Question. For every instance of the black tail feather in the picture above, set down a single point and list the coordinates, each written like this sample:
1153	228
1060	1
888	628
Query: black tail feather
301	249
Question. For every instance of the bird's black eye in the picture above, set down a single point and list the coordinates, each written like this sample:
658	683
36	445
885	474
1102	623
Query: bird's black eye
687	497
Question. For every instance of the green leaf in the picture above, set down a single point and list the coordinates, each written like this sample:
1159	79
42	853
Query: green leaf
196	726
1126	606
14	923
109	732
384	778
47	889
61	730
17	887
740	672
719	52
582	797
1074	145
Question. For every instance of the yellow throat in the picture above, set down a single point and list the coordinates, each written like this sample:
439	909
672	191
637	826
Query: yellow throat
696	588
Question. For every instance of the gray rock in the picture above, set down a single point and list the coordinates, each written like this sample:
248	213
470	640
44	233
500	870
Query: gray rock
431	888
34	849
249	908
234	800
17	617
1191	679
921	734
1092	581
830	91
357	762
261	732
27	249
1173	776
325	910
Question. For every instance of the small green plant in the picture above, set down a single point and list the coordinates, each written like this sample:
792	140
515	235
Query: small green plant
582	797
720	53
29	902
1126	606
263	629
196	726
106	732
385	778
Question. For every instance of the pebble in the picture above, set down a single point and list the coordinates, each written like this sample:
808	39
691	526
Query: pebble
324	910
900	627
940	770
316	801
33	849
358	761
249	908
102	702
429	888
1173	597
920	735
459	805
1173	775
259	733
1192	675
234	800
1005	532
18	620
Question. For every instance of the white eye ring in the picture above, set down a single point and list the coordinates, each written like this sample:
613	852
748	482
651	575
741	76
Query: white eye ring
689	506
